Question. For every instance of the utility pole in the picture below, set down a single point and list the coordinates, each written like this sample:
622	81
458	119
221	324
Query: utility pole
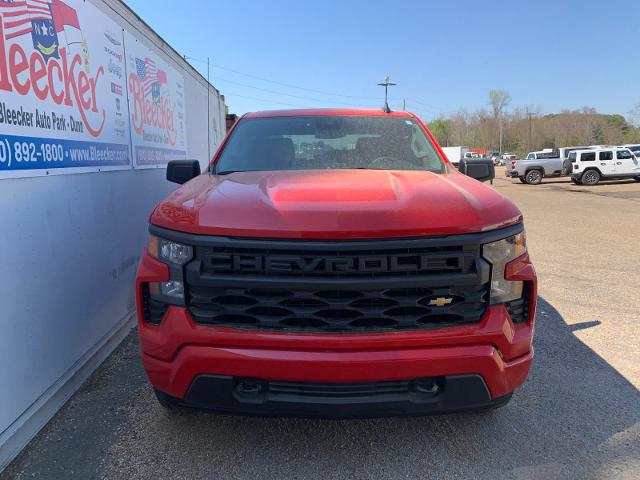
404	104
530	114
386	84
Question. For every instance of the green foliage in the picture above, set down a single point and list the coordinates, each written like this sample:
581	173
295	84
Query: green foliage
441	129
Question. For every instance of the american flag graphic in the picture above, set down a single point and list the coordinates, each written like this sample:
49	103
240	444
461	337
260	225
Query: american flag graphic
149	74
18	14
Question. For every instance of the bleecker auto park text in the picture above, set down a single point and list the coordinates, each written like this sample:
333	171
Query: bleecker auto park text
39	119
61	80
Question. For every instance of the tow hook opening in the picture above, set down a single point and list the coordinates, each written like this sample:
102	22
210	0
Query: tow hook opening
427	385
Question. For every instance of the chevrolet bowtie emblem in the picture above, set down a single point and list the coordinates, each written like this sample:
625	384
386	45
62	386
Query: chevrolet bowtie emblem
441	301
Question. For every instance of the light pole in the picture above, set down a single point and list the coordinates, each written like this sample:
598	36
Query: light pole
386	84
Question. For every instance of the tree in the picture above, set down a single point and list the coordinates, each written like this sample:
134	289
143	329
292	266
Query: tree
499	100
634	115
441	129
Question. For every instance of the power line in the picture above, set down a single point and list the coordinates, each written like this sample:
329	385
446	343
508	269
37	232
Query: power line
321	92
430	107
275	92
262	100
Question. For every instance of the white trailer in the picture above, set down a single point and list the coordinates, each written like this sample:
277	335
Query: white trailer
455	154
83	153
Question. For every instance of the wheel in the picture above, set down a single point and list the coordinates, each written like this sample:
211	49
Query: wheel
533	177
637	179
522	179
590	177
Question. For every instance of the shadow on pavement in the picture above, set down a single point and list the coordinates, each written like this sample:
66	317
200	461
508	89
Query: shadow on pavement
576	417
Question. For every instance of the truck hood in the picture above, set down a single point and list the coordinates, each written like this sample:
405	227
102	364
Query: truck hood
335	204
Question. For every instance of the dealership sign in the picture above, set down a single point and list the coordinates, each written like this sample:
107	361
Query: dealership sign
63	93
156	106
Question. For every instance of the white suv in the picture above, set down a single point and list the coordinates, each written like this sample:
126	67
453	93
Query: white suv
591	166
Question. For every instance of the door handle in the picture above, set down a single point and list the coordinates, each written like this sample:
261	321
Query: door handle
618	163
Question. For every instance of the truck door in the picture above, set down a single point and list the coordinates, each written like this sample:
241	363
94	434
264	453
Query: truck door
606	163
627	163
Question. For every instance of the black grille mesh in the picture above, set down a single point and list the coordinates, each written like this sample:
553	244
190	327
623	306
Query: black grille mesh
341	310
337	286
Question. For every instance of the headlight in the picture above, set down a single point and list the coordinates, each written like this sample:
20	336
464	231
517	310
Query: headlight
168	251
499	254
175	255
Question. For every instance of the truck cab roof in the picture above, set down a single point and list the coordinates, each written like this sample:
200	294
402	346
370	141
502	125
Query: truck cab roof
329	112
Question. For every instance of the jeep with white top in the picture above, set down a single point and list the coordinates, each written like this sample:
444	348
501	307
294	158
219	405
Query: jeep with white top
591	166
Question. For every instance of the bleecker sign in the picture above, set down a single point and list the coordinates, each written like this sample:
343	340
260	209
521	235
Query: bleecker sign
156	103
61	84
60	80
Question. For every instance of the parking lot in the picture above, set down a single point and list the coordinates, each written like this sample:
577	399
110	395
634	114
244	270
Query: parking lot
578	415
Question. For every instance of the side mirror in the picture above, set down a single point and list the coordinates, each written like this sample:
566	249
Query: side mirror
482	169
181	171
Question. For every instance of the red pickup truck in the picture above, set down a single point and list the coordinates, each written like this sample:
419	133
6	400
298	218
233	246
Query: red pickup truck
333	263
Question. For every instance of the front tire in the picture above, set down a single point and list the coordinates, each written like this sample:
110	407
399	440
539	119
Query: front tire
590	177
533	177
637	179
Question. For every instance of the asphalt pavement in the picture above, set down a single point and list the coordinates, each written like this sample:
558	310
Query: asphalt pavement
577	416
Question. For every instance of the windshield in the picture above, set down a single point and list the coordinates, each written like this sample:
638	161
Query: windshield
329	142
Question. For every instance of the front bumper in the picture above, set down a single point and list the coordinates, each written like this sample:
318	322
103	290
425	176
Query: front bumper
476	365
178	352
246	396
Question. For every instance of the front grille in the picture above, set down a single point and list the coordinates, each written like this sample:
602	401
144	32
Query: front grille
338	310
337	286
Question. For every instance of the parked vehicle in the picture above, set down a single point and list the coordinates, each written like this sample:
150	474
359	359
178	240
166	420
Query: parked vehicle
591	166
541	164
455	154
635	149
507	158
473	155
341	282
566	163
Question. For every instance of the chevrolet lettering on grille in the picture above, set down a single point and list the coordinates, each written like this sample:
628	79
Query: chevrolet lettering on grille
309	265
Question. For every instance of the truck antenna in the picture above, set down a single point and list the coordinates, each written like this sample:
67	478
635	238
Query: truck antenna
386	84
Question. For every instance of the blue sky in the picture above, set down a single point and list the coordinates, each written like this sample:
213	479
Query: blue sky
444	55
